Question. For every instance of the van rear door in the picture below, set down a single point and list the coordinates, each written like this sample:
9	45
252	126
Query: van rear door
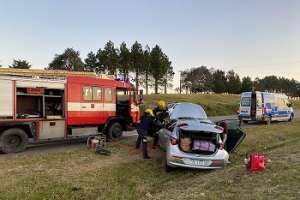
245	105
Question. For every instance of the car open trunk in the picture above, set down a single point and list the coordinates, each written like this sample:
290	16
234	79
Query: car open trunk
198	142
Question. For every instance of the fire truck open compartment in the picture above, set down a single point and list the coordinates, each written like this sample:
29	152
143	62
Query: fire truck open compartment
122	103
46	104
54	99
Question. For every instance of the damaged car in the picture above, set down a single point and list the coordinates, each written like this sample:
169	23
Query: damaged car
191	140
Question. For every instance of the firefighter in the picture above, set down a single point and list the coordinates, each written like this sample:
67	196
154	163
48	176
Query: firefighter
160	111
144	129
161	114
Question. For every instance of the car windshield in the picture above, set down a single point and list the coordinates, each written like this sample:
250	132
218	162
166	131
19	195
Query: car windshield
188	111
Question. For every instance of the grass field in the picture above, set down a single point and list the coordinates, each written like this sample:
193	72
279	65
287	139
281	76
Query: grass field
81	174
214	104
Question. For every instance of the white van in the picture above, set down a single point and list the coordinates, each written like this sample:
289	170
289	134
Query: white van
264	106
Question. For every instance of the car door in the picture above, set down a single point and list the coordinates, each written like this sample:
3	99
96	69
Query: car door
164	138
235	135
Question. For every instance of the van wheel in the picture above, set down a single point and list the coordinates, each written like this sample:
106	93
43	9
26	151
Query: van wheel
240	123
115	130
291	117
13	140
268	121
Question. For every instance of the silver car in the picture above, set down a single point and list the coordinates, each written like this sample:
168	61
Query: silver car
191	140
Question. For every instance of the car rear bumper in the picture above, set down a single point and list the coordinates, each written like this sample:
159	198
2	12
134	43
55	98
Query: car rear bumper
216	161
181	164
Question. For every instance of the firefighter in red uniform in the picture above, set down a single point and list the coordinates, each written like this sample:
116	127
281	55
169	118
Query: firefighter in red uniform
145	127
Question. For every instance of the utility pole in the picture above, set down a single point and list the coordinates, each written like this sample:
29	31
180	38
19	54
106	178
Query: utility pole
180	82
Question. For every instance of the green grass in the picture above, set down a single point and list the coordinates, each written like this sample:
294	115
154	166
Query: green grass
214	104
296	104
81	174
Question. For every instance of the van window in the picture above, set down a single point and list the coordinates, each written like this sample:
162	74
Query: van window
87	93
97	92
108	94
246	101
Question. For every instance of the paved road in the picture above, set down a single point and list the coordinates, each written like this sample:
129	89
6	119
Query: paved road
218	118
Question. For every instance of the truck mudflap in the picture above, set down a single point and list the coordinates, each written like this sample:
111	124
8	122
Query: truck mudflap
235	135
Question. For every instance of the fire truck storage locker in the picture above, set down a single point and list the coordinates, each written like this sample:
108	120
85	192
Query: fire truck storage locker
6	98
51	129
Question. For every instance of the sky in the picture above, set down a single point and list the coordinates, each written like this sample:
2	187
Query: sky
252	37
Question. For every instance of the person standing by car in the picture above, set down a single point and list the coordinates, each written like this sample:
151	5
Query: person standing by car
145	127
161	114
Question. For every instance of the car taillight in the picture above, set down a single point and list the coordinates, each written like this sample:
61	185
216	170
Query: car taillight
173	141
217	161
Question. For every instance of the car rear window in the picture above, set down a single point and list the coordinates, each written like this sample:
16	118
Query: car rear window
246	101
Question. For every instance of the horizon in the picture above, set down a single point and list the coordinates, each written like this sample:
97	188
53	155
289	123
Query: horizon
253	38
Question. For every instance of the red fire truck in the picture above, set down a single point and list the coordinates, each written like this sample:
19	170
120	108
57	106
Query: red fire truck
36	109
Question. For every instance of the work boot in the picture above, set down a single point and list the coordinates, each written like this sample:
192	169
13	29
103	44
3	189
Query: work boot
145	151
138	142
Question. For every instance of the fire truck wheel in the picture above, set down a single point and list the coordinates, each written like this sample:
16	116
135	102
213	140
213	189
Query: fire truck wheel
13	140
114	130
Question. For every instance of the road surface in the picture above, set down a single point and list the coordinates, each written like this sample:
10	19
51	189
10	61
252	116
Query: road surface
218	118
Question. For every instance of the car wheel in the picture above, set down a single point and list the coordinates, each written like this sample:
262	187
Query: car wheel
167	167
13	140
291	117
245	122
115	130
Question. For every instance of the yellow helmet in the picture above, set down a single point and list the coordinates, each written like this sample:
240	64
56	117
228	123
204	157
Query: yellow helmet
161	104
149	111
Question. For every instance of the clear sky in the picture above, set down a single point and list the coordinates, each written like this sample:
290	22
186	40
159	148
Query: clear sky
254	37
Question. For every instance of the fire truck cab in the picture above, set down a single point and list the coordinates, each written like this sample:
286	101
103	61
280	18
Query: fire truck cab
35	110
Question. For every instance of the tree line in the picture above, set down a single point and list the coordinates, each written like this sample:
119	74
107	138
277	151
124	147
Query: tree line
151	67
204	79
